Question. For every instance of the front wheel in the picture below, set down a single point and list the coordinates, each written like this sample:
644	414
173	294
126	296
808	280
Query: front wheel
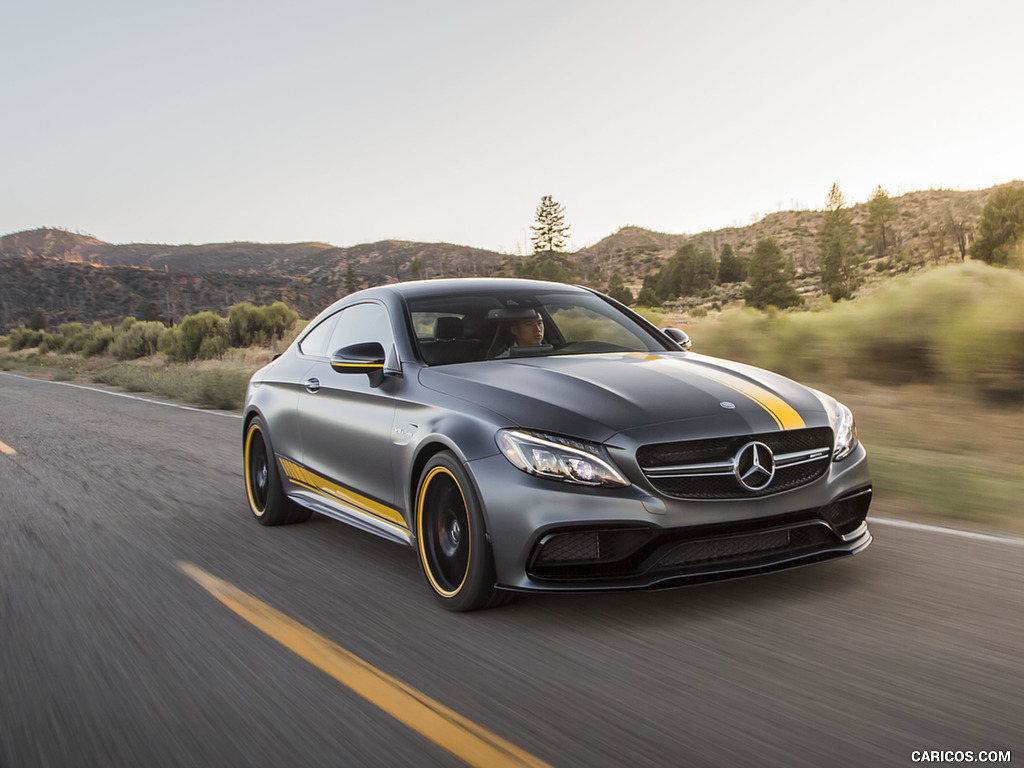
451	540
267	500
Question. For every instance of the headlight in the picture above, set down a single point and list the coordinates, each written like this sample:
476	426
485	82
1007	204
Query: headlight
846	432
558	458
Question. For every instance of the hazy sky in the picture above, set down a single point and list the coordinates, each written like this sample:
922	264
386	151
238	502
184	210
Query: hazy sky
351	122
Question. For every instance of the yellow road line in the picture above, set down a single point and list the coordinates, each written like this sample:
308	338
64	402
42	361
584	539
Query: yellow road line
469	742
5	448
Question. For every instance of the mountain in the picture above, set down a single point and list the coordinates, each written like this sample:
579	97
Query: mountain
921	232
79	277
74	277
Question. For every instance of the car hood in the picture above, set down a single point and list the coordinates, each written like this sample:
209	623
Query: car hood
597	396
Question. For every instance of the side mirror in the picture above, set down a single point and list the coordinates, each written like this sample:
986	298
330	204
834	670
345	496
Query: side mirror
678	337
367	357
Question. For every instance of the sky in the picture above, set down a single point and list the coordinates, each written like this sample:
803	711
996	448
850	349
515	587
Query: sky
447	121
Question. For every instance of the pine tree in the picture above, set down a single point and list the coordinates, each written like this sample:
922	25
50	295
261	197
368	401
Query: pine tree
730	266
836	239
1001	228
769	276
881	209
549	261
351	280
550	231
618	290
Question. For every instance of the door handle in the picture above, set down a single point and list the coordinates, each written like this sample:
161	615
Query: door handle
312	386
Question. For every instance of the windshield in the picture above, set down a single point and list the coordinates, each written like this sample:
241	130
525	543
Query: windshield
462	327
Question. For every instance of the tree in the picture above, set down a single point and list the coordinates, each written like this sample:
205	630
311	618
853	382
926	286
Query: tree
550	231
549	239
688	272
959	216
618	290
769	278
836	239
37	320
416	269
881	210
151	313
731	268
549	265
1001	228
351	280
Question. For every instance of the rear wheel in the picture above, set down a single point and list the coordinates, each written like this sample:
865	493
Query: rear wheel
452	543
267	500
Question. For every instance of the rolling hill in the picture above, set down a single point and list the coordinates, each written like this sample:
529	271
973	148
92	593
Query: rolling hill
72	276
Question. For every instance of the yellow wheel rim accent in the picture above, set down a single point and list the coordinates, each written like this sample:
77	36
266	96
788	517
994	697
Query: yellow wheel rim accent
421	541
249	436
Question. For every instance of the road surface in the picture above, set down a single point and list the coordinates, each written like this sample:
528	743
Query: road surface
122	518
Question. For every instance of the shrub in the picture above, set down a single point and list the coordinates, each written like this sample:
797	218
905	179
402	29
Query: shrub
961	325
51	342
96	340
24	338
136	339
249	325
184	342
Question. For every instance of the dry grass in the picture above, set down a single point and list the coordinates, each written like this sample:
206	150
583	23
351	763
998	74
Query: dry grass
938	456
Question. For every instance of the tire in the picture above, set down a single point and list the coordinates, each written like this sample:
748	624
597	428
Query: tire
451	540
263	488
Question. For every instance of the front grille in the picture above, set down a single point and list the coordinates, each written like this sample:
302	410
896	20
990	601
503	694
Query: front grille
703	469
747	545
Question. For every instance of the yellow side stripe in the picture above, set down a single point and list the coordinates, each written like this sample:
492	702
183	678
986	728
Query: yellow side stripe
5	448
463	738
325	487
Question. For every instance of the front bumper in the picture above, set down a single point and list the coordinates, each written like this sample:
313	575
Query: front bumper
551	536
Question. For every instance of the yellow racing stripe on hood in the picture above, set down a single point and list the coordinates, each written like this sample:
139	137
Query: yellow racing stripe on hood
783	413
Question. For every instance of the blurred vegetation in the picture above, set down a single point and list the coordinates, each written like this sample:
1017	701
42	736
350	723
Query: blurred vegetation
202	336
213	388
961	326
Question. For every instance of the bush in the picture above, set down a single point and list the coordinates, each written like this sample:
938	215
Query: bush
51	342
184	342
136	339
24	338
960	325
96	340
70	333
249	325
223	389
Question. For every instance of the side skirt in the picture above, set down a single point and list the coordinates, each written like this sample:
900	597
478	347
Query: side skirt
353	516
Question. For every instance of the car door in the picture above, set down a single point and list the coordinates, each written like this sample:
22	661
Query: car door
345	419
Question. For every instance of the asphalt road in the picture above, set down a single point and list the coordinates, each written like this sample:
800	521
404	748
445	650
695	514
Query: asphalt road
111	655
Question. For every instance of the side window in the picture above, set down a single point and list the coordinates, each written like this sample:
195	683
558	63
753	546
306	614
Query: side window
315	342
359	323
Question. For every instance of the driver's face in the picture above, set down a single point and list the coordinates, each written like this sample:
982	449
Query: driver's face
528	333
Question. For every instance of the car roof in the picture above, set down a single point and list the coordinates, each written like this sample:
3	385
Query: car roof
420	288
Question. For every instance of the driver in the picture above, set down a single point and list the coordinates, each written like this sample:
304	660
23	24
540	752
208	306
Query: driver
528	333
526	330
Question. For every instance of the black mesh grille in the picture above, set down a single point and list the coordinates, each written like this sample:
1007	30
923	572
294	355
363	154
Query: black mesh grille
590	546
738	547
571	547
723	449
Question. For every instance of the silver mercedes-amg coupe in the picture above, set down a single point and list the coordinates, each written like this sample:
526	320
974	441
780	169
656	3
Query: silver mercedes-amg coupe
530	436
